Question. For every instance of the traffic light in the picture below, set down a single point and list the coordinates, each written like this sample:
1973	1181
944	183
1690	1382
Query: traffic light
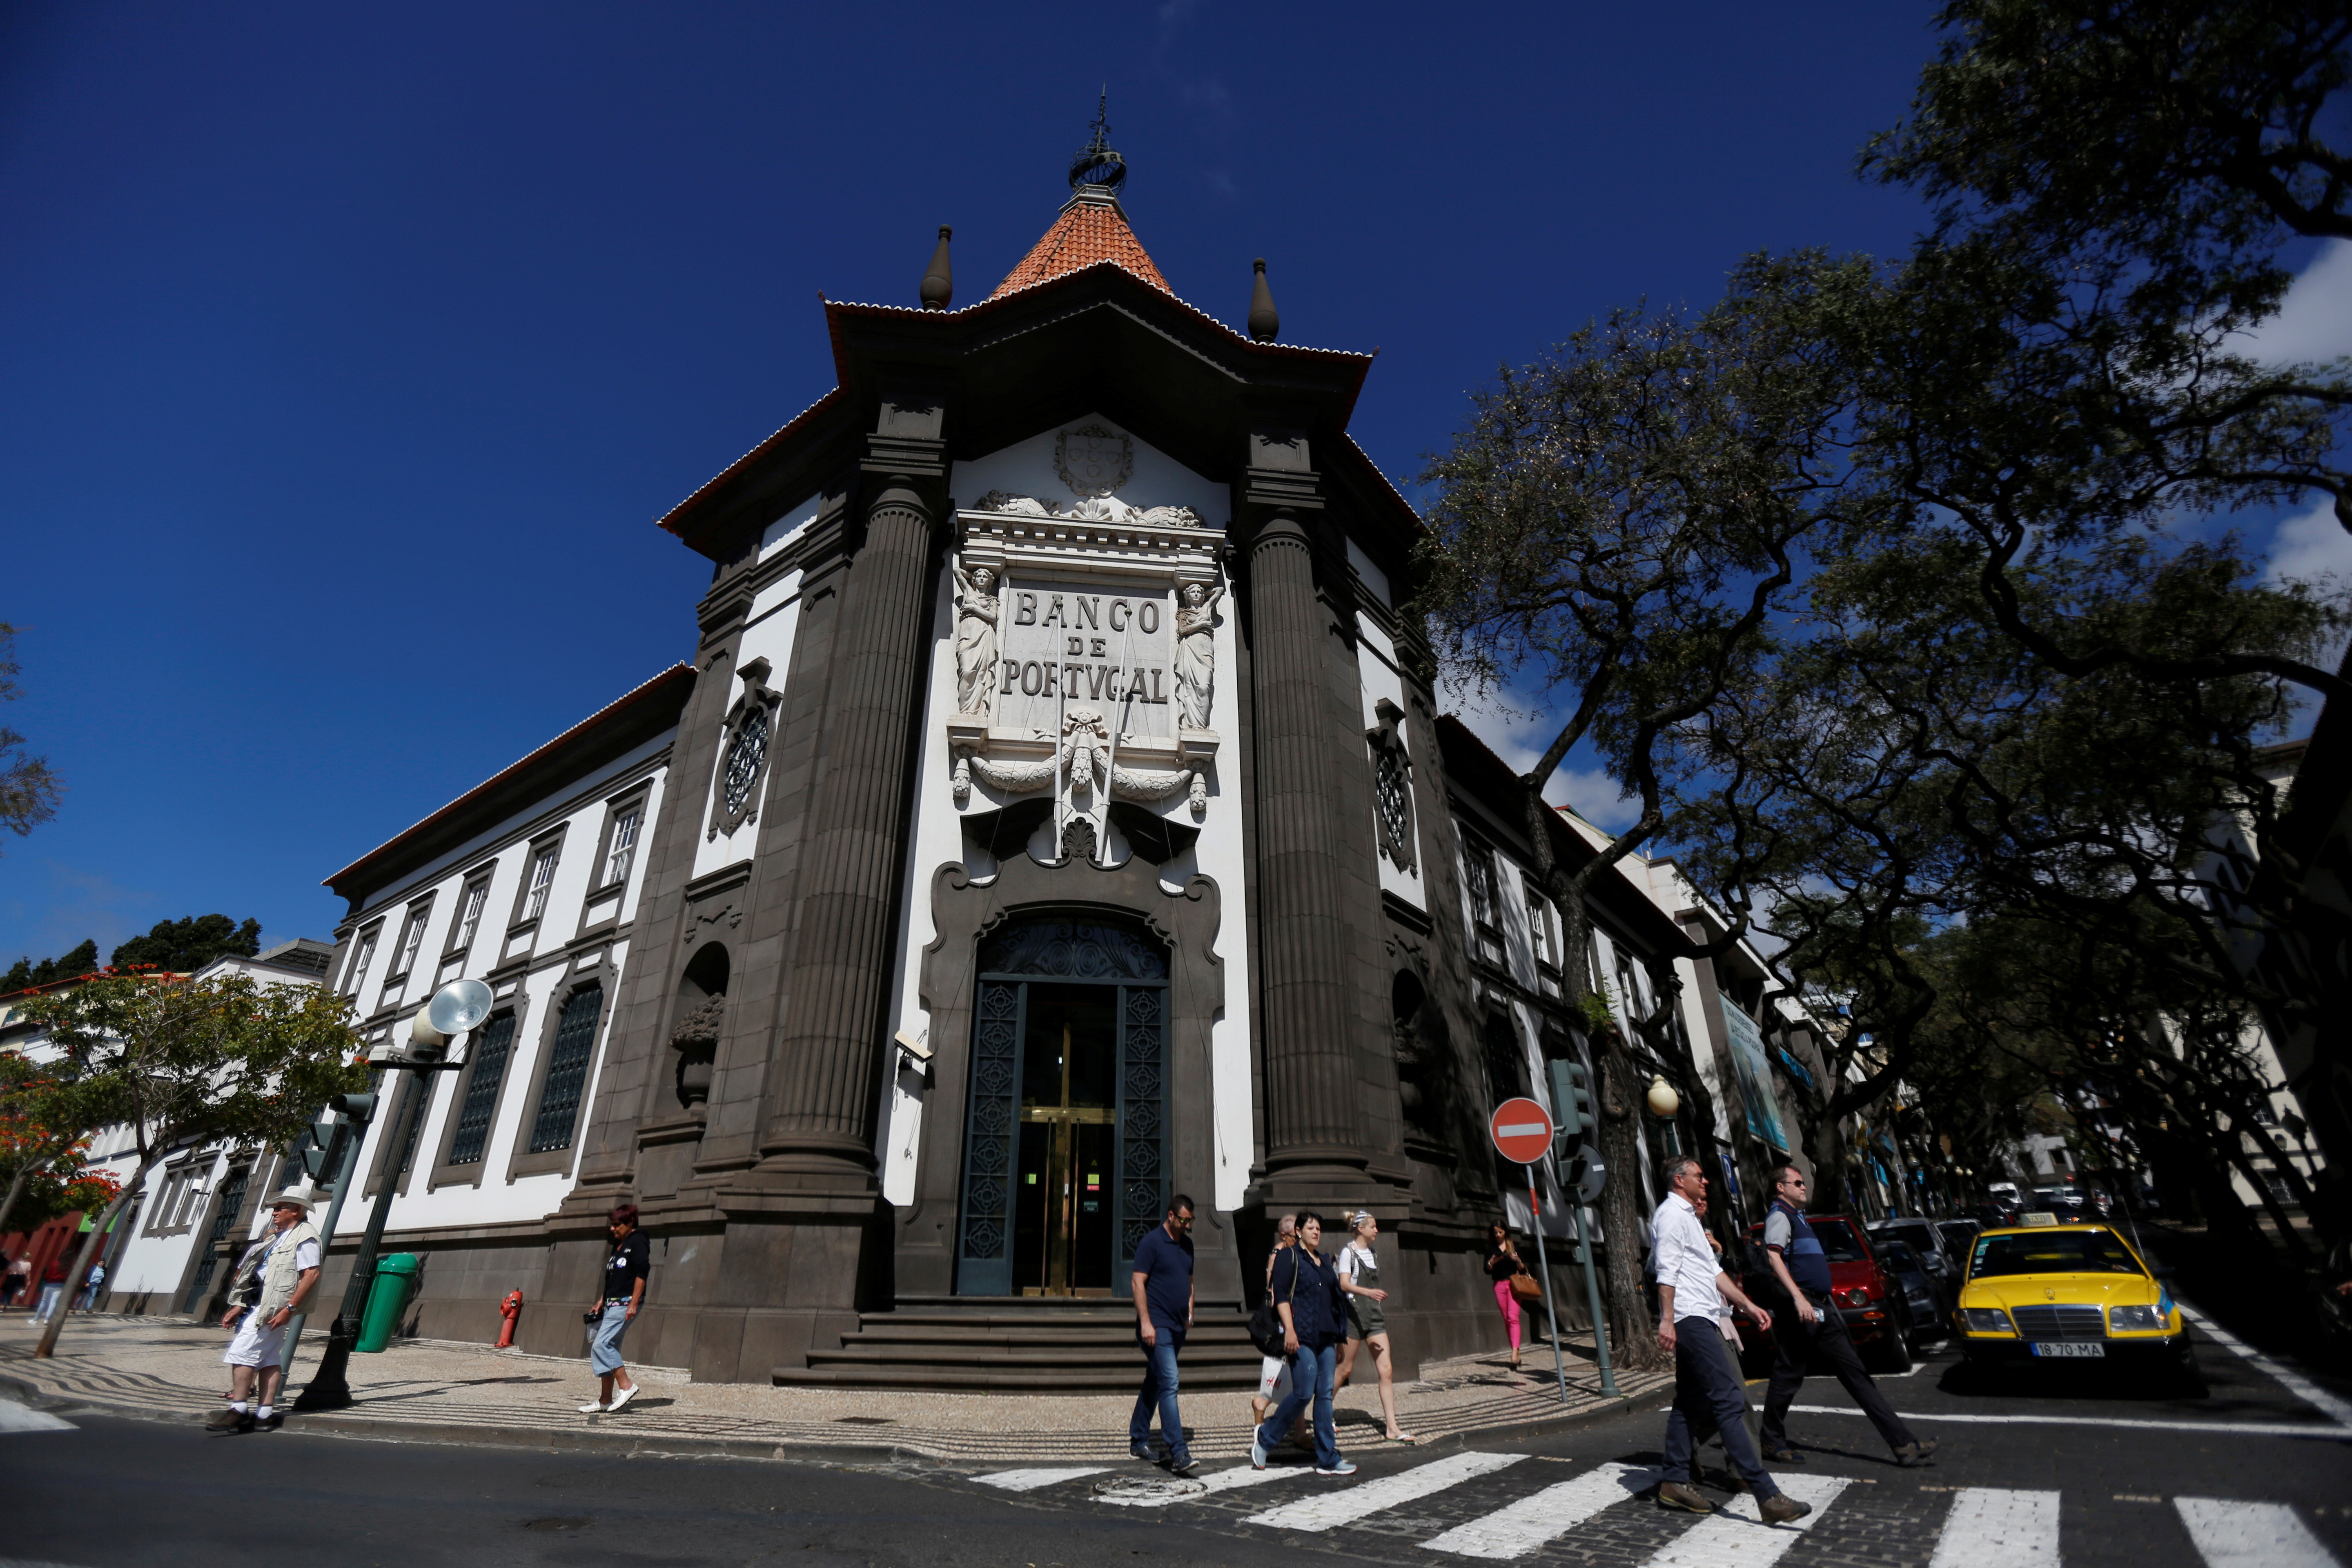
1571	1099
358	1108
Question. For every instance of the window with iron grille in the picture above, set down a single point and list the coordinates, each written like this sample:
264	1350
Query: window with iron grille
542	876
567	1071
232	1198
623	848
483	1080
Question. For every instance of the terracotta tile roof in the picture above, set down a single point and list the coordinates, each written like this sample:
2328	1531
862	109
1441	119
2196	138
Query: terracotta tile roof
1086	233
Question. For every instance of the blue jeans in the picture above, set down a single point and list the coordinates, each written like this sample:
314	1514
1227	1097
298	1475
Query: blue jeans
1312	1370
1158	1391
1709	1396
604	1349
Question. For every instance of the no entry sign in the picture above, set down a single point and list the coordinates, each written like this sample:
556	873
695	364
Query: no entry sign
1521	1130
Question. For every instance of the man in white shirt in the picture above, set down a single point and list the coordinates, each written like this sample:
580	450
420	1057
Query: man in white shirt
1692	1290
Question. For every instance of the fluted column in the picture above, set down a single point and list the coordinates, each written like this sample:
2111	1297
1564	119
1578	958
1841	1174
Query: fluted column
1310	1094
821	1095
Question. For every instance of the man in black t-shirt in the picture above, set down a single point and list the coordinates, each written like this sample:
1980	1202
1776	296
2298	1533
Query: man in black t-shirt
1162	1281
623	1292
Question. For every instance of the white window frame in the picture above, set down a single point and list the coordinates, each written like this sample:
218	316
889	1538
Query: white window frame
539	880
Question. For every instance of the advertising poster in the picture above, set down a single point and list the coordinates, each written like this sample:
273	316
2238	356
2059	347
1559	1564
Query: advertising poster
1755	1078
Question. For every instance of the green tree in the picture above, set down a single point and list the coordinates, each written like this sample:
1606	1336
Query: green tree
46	1120
180	1062
28	791
184	946
1621	522
70	965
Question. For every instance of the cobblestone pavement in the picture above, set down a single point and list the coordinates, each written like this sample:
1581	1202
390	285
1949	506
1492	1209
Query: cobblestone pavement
171	1368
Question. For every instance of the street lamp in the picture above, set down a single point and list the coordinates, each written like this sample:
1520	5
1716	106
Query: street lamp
457	1007
1663	1100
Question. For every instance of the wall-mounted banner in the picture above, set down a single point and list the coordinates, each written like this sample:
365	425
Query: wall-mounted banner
1755	1078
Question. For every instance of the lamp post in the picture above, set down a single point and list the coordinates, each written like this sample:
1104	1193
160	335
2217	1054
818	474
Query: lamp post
454	1009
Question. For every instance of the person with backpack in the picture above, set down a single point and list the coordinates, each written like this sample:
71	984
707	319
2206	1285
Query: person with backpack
1305	1290
1273	1371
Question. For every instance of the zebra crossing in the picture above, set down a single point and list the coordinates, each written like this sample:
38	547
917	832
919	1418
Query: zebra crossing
1503	1518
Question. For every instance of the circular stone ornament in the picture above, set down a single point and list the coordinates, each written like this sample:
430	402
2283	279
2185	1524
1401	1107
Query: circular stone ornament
1147	1488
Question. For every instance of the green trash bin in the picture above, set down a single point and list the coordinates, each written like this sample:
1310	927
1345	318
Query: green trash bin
395	1281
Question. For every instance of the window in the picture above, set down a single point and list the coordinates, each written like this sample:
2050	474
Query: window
232	1199
542	876
567	1070
470	916
413	938
363	955
1481	872
745	759
1539	928
622	849
489	1073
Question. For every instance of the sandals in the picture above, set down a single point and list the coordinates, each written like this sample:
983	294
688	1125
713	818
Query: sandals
1407	1438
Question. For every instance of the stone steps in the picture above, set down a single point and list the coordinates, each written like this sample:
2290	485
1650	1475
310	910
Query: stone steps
1061	1345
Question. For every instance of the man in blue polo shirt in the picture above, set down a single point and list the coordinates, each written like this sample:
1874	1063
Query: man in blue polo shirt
1803	1269
1163	1314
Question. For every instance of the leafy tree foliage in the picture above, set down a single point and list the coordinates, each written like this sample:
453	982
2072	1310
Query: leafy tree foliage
25	973
226	1059
184	946
46	1120
28	791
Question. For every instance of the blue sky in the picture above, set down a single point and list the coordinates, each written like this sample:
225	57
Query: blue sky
350	353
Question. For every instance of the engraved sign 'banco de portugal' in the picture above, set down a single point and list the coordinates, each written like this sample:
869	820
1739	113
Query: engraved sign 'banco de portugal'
1085	660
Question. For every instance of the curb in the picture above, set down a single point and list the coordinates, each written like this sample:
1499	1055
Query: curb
592	1440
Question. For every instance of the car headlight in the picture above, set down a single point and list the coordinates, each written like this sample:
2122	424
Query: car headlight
1987	1320
2134	1320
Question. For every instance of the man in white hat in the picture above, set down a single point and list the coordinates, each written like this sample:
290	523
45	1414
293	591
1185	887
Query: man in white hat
286	1275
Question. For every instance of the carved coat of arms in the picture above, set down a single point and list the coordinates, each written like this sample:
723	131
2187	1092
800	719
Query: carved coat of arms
1094	461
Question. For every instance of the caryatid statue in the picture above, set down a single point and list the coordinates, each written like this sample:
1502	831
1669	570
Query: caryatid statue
1196	654
975	649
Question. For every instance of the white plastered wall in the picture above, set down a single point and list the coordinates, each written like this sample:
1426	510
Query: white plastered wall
1026	468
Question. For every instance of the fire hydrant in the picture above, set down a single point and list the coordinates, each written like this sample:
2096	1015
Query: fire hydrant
510	1309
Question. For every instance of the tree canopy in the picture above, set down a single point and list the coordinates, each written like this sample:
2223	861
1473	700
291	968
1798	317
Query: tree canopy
28	790
25	973
184	946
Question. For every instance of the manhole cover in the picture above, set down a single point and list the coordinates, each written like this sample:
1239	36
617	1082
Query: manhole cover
1147	1488
555	1524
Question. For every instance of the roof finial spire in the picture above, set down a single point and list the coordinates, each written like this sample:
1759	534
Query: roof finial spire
1098	170
1264	325
939	283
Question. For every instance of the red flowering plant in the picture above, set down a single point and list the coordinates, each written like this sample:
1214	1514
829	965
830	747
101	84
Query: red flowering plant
46	1120
174	1062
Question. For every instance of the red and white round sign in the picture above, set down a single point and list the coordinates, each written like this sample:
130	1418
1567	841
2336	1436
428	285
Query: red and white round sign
1521	1130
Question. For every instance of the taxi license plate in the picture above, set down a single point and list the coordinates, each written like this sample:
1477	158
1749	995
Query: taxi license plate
2089	1348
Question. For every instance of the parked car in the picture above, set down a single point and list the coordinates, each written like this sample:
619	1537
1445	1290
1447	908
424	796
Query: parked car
1878	1313
2065	1202
1999	1214
1922	1291
1960	1238
1926	1243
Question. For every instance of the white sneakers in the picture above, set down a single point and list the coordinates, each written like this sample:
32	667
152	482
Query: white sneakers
623	1398
594	1407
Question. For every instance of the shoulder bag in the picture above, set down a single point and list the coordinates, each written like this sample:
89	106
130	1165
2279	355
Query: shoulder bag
1526	1285
1266	1324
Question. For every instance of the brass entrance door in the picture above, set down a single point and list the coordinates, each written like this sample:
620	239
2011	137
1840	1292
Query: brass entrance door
1064	1195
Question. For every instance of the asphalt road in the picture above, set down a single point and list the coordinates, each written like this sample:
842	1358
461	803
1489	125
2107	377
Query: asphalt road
2082	1468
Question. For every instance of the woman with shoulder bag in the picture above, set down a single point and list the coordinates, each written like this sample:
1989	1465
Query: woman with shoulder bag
1306	1293
1512	1283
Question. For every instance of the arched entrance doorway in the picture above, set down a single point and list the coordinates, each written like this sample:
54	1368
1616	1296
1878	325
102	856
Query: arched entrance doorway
1065	1129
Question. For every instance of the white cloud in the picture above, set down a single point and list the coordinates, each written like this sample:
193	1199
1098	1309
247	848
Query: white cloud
2315	321
1519	737
2311	547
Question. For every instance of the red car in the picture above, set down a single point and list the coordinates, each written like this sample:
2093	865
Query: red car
1876	1312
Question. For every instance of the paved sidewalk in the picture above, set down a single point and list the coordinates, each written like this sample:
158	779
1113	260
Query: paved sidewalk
437	1390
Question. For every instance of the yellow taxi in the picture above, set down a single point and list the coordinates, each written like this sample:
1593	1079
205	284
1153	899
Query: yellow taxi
2046	1292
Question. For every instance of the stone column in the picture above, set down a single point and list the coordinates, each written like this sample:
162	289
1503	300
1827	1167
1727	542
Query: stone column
820	1099
1304	946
